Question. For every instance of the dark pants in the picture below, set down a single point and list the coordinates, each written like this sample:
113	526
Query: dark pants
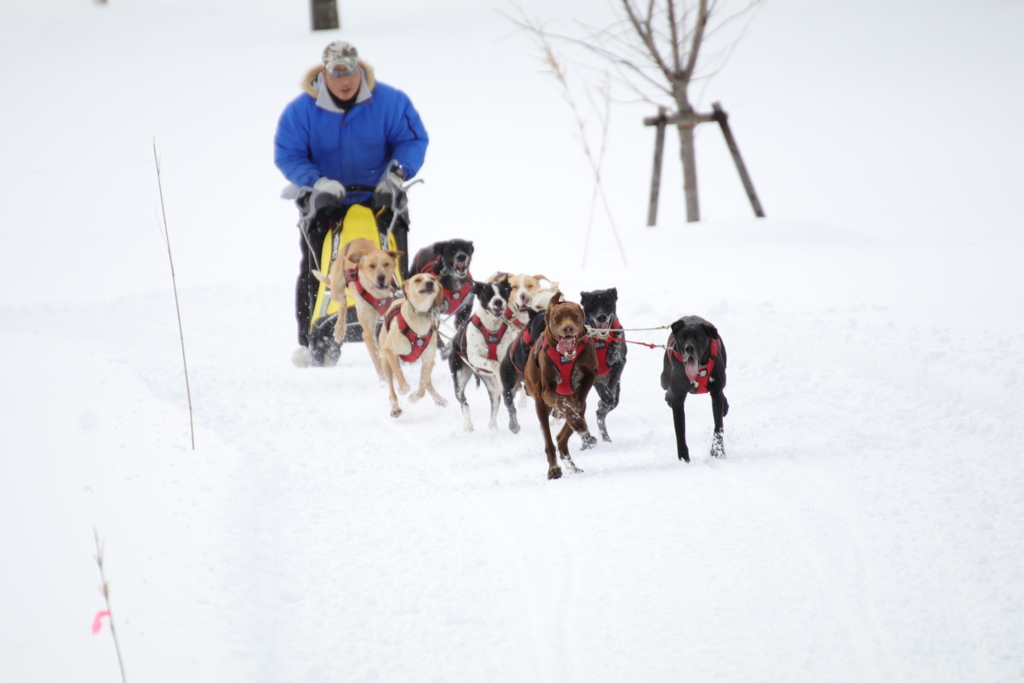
307	285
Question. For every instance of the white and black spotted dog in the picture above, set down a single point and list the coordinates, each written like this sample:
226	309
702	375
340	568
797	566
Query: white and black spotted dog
480	343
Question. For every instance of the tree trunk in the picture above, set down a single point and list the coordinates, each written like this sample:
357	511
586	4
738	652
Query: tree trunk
325	14
689	159
687	154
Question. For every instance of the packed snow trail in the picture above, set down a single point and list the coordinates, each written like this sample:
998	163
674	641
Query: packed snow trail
359	534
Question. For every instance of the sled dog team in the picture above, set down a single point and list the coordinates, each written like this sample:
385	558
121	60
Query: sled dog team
518	333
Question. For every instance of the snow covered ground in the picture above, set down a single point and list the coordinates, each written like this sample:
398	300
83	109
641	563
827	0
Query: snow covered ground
866	525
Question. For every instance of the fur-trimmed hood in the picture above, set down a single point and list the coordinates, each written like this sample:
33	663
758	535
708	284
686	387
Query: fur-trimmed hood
312	84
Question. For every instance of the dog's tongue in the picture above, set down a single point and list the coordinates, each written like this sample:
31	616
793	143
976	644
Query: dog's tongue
566	345
691	368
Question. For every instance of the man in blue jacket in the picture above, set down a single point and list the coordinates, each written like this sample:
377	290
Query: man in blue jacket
347	139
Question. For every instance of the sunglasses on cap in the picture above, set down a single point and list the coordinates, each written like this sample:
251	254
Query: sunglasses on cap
340	72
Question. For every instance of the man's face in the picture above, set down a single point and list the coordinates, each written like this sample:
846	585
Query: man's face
343	87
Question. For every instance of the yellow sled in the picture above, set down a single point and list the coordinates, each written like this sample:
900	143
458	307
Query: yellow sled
359	222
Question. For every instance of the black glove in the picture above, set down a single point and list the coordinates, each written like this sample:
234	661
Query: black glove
326	193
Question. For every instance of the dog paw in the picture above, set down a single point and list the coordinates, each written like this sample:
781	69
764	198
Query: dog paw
403	389
588	441
395	412
717	447
513	427
416	396
605	437
684	454
555	472
571	465
439	400
468	427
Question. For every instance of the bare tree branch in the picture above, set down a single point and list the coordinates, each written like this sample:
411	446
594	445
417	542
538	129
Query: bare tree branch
698	35
674	30
643	29
655	52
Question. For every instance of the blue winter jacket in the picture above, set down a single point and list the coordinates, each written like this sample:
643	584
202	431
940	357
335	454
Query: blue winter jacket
314	138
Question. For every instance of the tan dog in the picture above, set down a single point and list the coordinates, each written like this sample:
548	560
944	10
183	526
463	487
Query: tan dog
365	272
409	333
540	299
524	289
559	373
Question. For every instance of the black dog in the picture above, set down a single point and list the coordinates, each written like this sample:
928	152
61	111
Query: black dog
514	362
599	307
695	364
449	261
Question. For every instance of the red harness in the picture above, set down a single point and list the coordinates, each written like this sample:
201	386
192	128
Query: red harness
601	344
381	305
460	296
418	343
523	337
700	385
511	316
563	363
492	338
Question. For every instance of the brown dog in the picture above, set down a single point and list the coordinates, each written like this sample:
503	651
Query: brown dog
409	334
365	272
559	373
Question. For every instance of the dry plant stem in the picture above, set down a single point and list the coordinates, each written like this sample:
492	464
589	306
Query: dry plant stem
606	91
106	598
174	285
595	164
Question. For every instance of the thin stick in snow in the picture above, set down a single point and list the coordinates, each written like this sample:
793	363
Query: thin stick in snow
174	285
105	587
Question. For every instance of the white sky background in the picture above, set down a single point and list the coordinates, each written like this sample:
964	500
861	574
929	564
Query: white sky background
865	526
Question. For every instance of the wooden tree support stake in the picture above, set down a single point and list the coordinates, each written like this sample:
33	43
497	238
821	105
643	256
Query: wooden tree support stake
748	185
690	121
659	149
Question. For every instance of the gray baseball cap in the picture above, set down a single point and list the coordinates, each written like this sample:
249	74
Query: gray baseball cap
341	55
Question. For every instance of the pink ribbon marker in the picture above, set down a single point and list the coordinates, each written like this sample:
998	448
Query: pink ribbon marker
97	623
